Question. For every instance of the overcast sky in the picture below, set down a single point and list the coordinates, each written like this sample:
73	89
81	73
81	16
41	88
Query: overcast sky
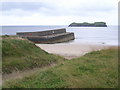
58	12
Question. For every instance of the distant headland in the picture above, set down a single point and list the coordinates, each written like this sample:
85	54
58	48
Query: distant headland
86	24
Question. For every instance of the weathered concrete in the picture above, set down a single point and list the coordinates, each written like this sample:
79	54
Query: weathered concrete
42	33
50	36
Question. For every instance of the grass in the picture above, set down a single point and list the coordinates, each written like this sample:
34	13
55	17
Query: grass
20	54
98	69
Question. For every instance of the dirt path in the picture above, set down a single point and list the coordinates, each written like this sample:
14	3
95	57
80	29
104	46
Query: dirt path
21	74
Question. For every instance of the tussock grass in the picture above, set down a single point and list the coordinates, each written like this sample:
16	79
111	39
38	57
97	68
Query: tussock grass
98	69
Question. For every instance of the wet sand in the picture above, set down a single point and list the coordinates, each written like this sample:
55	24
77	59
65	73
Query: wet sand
70	51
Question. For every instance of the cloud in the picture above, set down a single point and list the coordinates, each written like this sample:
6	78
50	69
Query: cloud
58	12
6	6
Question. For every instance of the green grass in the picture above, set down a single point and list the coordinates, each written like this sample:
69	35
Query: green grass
98	69
20	55
0	55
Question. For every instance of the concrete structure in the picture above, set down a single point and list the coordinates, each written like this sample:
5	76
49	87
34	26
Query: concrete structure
50	36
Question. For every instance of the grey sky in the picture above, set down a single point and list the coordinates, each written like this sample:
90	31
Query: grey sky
28	6
58	12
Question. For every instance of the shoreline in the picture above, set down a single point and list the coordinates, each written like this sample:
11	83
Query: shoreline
72	50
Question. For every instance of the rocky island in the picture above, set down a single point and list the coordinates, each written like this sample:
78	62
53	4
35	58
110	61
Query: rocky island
86	24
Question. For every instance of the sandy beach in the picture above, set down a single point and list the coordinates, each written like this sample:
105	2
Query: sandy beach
70	51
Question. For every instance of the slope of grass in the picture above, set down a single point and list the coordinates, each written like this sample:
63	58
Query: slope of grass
19	54
98	69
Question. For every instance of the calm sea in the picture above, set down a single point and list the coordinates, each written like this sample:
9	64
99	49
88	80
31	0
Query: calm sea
98	35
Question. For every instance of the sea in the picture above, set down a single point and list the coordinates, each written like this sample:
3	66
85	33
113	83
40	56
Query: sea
94	35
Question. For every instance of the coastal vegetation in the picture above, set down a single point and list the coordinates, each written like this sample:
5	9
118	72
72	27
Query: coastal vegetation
20	54
86	24
98	69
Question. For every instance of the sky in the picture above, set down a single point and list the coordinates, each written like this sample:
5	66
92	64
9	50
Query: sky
57	12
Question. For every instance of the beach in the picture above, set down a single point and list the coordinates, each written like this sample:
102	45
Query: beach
70	51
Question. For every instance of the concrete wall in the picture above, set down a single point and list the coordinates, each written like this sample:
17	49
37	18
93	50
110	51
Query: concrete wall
50	36
63	38
57	39
41	33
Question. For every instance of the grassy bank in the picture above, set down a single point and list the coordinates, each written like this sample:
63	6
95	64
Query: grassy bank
97	69
20	54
